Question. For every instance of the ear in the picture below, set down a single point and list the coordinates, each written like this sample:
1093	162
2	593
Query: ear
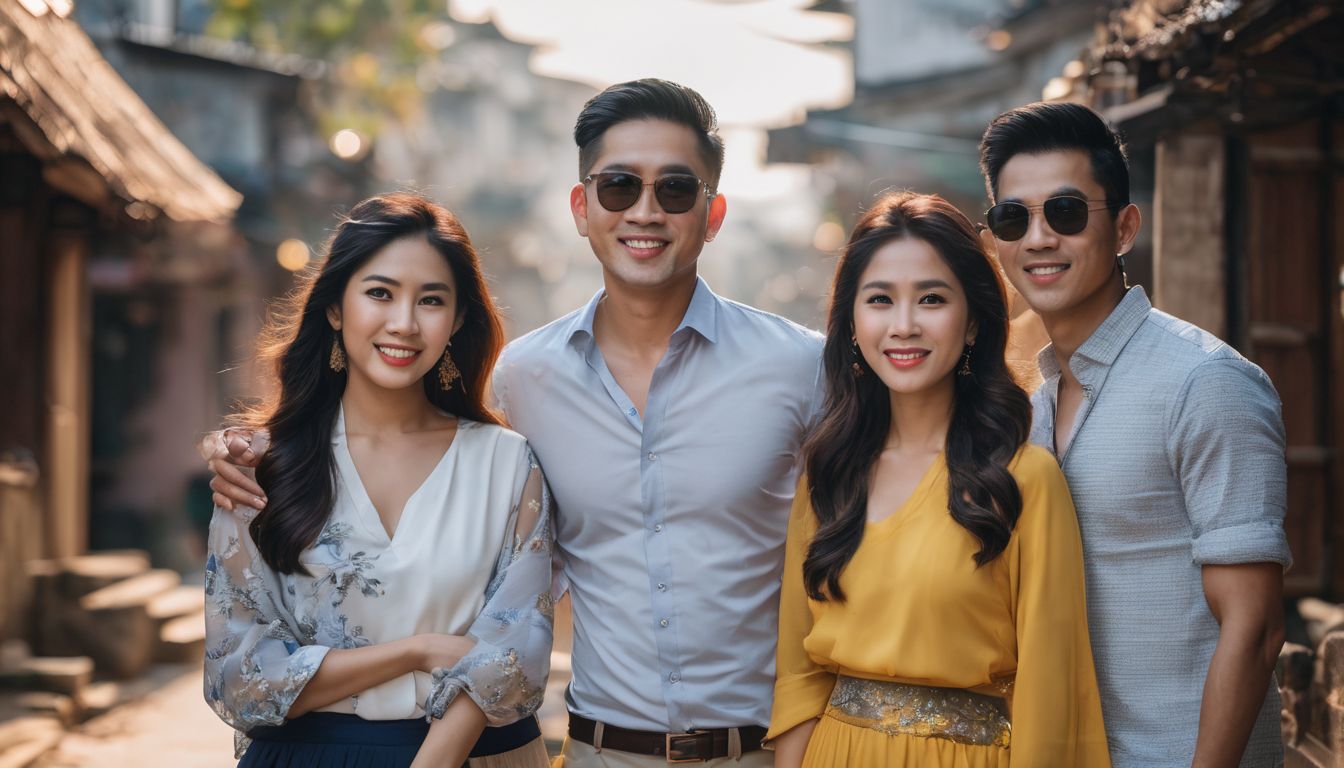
334	316
971	330
1127	224
457	324
578	206
718	208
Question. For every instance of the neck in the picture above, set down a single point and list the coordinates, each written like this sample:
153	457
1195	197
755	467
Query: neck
372	410
636	316
919	420
1069	329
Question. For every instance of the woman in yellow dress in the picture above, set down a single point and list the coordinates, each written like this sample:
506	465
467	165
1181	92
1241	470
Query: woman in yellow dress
933	610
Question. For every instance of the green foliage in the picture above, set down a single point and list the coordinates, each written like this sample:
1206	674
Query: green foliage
374	49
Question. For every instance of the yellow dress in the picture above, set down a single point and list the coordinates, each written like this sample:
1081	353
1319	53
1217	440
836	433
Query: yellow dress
920	612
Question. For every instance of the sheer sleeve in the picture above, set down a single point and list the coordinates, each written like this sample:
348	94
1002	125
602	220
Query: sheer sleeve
802	687
1056	708
505	673
255	665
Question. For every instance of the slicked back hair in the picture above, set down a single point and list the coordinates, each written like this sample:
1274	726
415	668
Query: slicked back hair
1054	127
649	99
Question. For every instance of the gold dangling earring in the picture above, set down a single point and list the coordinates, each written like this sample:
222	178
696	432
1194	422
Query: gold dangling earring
337	360
965	362
854	366
448	372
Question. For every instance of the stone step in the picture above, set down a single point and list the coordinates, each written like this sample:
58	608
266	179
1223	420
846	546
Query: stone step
138	591
26	738
178	601
57	587
65	675
182	639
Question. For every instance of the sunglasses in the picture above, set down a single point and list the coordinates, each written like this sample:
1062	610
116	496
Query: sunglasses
675	192
1066	215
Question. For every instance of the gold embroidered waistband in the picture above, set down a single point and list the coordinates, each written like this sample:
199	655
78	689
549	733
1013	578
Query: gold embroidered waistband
919	710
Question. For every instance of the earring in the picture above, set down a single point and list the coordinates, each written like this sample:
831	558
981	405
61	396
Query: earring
854	366
1120	260
965	362
448	372
337	360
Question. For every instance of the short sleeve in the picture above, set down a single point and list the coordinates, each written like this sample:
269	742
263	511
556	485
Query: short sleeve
802	687
255	664
505	672
1227	448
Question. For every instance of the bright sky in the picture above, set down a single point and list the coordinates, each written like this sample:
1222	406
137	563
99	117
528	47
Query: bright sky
759	62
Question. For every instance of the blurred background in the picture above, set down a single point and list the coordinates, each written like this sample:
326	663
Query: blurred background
166	166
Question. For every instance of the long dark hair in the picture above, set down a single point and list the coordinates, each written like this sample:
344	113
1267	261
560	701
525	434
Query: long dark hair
991	414
297	471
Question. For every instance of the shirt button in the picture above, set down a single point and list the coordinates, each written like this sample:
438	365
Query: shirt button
653	456
633	412
662	587
658	528
663	622
674	678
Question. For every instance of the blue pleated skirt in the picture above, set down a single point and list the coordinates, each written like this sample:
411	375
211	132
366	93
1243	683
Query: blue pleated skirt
335	740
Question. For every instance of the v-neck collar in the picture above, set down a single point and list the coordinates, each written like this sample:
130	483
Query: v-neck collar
365	511
916	497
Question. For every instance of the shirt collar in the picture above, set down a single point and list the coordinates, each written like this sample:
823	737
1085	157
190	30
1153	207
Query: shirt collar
1105	343
701	316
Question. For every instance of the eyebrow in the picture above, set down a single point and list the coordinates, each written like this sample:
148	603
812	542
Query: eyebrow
665	170
922	285
1064	190
397	283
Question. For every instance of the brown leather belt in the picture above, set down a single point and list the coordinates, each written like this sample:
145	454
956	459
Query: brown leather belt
693	747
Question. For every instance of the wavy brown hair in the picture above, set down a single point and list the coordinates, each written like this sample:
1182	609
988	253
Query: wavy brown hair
297	472
991	414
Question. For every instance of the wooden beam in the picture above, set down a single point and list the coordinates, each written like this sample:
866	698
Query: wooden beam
1189	242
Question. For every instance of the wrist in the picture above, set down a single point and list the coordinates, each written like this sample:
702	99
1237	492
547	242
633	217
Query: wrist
414	655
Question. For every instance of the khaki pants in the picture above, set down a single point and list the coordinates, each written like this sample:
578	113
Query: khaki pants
576	754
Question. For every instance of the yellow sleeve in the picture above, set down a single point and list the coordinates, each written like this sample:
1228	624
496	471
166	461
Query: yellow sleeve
802	688
1056	709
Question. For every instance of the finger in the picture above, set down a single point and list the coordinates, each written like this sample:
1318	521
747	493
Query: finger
261	442
222	501
211	446
238	444
234	483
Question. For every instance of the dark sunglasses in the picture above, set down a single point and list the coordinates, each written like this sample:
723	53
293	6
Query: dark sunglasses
675	192
1065	214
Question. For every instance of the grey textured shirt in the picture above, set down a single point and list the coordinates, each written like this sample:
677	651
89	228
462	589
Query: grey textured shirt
671	527
1176	462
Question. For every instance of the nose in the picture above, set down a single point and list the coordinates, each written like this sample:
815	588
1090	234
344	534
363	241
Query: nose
902	323
646	209
401	320
1039	237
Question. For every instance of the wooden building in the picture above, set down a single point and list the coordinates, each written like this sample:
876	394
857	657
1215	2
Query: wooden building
1242	106
82	161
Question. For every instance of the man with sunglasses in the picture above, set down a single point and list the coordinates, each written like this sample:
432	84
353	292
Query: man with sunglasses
670	423
1173	446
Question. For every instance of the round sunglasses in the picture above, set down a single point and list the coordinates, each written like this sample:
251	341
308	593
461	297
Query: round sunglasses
675	192
1066	215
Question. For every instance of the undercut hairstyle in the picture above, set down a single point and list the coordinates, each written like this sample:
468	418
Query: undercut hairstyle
298	472
991	414
649	99
1053	127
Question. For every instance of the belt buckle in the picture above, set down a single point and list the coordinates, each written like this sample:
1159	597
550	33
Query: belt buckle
689	754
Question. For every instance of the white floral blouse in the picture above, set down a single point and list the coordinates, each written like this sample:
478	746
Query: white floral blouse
454	565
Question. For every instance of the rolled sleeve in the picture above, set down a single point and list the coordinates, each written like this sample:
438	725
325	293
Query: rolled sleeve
1228	452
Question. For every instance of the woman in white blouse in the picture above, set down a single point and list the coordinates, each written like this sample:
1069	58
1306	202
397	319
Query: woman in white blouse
401	556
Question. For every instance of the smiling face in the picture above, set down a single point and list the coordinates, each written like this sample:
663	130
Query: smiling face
643	246
911	318
397	314
1063	275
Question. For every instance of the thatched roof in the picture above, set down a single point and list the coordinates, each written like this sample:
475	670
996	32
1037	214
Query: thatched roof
92	132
